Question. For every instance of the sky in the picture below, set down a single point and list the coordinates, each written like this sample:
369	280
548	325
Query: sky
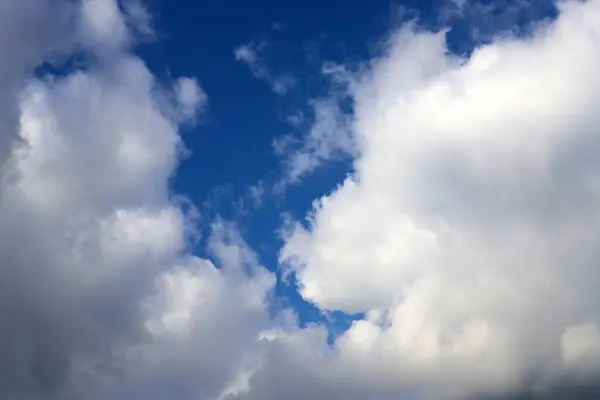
274	200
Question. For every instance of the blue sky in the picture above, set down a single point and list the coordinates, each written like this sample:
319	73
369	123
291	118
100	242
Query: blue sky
232	147
233	150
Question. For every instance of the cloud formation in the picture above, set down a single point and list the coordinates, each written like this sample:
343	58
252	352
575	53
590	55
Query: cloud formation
328	138
468	233
469	230
99	295
249	54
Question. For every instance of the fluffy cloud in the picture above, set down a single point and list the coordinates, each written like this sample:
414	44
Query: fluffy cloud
468	233
45	36
99	295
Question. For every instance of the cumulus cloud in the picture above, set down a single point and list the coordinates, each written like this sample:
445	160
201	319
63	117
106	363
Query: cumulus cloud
250	55
100	296
41	29
468	233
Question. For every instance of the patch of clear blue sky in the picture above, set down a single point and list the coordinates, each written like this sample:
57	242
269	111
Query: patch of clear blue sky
231	149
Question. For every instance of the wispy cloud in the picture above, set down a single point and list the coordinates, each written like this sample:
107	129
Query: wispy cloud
328	137
278	26
323	133
250	55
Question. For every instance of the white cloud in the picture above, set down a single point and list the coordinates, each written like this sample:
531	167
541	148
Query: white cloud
190	98
295	119
138	17
468	232
257	194
330	134
249	55
99	295
329	137
39	27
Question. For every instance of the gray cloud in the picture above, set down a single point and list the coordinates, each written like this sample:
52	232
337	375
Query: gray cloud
99	295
